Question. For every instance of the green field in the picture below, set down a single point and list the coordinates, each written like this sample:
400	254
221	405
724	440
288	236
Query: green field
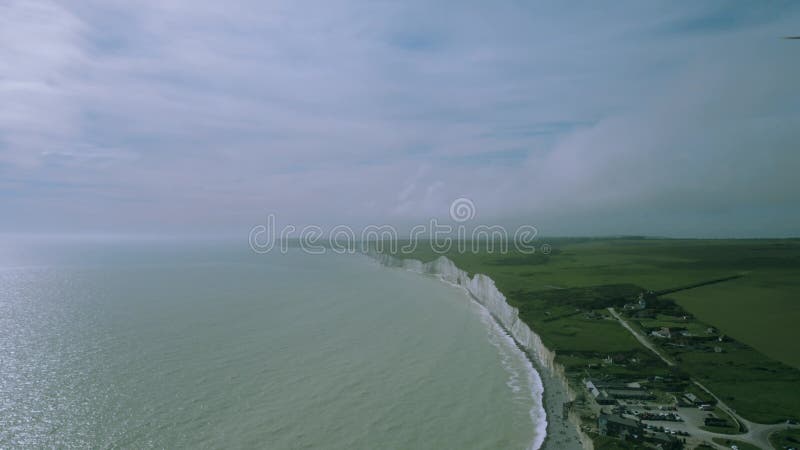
761	309
563	296
785	439
739	444
731	428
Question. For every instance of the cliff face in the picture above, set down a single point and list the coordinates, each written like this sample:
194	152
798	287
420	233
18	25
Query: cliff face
484	291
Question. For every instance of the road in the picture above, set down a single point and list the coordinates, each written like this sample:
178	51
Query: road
757	433
640	337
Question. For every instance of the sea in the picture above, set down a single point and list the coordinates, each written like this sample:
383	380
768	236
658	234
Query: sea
126	342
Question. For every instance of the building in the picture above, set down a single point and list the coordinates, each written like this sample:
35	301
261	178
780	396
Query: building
592	388
612	425
663	333
665	442
601	397
629	394
605	399
692	399
715	422
640	304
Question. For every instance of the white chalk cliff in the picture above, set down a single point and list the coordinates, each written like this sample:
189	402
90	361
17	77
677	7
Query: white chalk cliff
484	291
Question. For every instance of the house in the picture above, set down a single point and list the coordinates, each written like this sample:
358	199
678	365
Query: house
601	397
640	304
613	384
692	399
605	399
592	388
629	394
664	441
662	333
613	425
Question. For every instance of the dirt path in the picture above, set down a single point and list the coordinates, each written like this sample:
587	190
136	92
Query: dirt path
641	338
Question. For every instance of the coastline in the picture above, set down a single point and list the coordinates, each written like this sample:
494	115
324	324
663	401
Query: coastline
560	432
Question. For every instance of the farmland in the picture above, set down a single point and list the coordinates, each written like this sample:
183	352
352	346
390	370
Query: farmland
731	305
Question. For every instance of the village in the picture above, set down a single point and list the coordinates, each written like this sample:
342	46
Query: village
637	413
659	411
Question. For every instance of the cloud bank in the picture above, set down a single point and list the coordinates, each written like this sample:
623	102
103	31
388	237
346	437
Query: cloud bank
198	116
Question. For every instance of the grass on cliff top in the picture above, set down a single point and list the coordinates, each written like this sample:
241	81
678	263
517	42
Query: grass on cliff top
761	309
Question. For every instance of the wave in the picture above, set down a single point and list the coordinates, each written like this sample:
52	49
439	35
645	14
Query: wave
537	413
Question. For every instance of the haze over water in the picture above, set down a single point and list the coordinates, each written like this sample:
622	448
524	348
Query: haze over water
196	344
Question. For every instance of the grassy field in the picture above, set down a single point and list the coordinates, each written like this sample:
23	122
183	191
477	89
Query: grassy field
731	428
563	295
739	444
762	309
785	439
607	443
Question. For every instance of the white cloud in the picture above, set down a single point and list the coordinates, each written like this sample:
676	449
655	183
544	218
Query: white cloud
168	114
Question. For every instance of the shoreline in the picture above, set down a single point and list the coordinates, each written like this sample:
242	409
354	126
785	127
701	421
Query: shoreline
560	432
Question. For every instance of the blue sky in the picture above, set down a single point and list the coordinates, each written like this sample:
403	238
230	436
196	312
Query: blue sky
667	118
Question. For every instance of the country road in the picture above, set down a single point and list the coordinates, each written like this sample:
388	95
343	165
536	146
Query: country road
640	337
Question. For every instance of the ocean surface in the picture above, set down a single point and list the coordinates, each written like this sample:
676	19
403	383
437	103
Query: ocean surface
199	344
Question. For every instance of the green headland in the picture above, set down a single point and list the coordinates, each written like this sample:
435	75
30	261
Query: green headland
694	341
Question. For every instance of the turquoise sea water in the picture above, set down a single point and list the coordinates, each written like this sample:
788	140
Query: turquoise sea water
165	344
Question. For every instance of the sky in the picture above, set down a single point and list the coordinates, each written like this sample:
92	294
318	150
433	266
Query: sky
632	117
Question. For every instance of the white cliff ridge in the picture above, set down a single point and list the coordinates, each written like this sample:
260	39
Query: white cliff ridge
561	434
